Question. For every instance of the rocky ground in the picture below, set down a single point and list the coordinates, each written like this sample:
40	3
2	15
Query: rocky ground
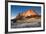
27	22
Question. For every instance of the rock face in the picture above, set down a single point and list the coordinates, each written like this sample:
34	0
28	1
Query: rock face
26	19
27	14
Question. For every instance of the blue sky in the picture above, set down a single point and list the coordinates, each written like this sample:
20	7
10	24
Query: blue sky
15	9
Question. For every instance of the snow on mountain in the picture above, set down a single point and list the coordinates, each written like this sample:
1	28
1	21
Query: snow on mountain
13	17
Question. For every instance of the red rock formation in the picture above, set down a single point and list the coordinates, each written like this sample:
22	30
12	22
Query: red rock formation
28	13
